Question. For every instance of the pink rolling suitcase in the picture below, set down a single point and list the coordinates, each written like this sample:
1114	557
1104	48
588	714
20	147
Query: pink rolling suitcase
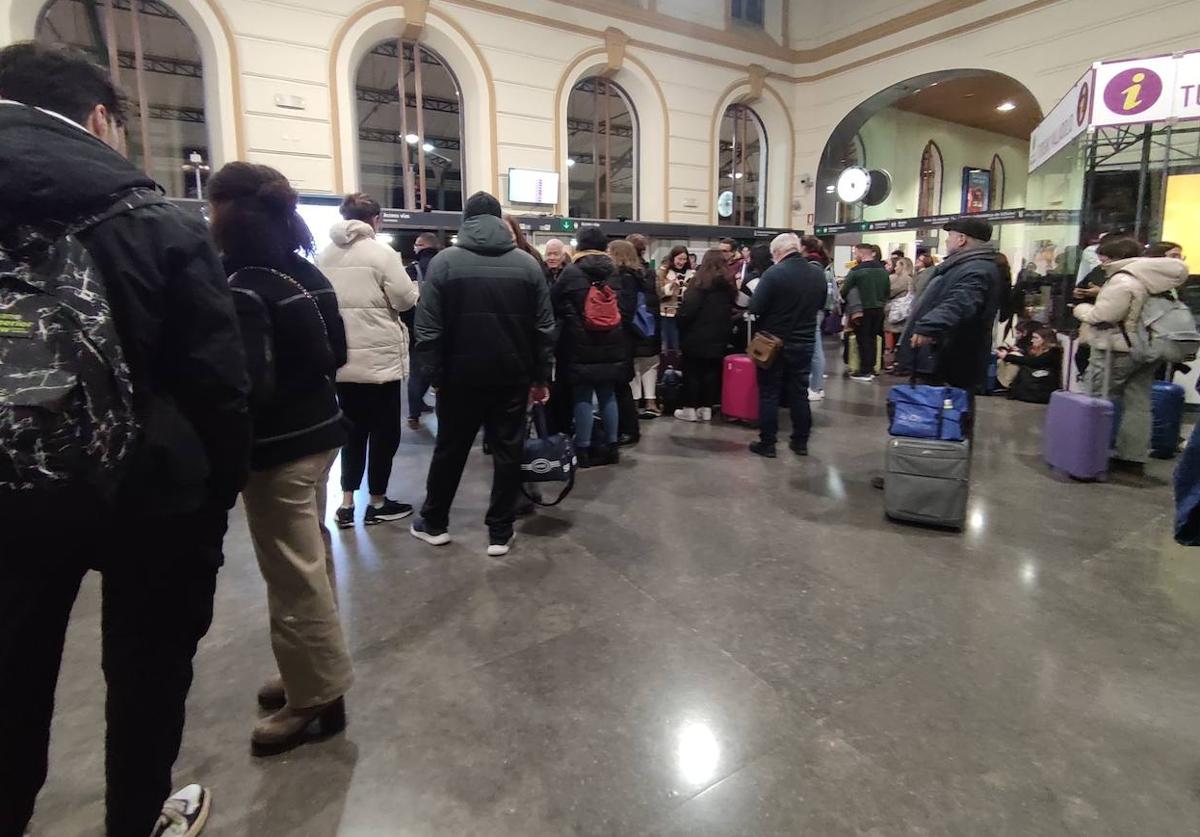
739	388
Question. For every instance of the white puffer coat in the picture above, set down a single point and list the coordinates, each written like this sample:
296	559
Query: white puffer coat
372	289
1122	297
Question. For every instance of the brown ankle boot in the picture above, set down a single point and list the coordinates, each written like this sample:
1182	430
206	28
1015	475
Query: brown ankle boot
288	728
271	695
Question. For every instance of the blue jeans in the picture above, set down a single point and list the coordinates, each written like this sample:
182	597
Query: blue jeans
606	399
817	379
786	382
670	335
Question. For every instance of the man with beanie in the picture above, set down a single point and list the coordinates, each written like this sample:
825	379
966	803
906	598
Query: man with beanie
949	335
485	338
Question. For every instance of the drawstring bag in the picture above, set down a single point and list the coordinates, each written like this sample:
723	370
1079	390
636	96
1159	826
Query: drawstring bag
600	312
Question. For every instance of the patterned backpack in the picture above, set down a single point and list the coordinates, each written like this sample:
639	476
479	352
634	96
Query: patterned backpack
66	397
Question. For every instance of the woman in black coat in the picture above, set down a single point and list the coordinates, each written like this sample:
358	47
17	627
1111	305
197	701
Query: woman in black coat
595	360
1039	370
704	319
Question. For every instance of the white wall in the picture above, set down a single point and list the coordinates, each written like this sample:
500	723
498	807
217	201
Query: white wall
514	58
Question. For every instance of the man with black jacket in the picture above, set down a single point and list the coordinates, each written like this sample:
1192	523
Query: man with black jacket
485	337
948	340
425	248
785	304
158	545
870	278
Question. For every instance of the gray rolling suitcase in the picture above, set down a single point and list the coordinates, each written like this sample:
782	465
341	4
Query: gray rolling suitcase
927	481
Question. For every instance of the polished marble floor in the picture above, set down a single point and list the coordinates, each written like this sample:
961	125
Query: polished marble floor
701	642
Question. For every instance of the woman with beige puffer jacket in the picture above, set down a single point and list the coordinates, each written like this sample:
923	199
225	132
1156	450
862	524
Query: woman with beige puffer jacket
372	289
1119	303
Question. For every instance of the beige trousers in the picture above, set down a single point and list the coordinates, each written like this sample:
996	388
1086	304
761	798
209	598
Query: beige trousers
285	507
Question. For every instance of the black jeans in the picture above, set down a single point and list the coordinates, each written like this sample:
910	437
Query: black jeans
461	412
627	411
868	329
786	382
374	414
701	381
158	581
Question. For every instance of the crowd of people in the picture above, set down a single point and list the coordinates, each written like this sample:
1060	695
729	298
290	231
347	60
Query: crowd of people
255	363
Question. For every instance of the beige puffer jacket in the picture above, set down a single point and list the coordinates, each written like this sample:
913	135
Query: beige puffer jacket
1122	296
372	289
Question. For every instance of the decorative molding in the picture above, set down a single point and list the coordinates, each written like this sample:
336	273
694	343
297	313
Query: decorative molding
414	18
758	77
615	42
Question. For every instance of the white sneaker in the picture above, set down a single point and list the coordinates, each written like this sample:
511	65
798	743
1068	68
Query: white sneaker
184	814
704	414
816	395
499	550
863	379
686	414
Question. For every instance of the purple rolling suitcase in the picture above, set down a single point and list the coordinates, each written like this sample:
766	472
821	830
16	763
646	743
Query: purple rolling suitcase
1079	431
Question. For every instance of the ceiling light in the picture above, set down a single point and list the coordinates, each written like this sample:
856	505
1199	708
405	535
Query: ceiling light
570	162
427	147
412	139
738	176
1005	107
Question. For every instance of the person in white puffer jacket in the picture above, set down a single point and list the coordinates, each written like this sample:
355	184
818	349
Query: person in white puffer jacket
1119	302
373	289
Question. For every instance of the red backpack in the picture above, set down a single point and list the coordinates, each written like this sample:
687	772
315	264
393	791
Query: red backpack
600	311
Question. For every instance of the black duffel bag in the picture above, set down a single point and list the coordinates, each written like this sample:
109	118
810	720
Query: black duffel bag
547	458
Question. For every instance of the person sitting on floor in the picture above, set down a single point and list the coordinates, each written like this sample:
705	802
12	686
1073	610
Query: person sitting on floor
1039	370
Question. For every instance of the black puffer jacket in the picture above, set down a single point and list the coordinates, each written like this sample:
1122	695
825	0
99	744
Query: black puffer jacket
1038	376
646	281
484	319
705	320
295	343
957	310
171	306
592	357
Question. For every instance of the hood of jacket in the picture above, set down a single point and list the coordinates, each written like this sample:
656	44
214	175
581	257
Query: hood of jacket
1155	275
425	257
345	233
595	264
51	170
485	234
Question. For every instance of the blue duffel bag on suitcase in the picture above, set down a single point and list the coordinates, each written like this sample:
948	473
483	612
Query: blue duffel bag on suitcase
1167	410
928	412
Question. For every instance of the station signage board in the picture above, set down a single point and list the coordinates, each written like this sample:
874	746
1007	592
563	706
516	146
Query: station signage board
1134	92
1067	120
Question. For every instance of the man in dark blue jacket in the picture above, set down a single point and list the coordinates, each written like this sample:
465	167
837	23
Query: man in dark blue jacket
485	338
785	304
949	335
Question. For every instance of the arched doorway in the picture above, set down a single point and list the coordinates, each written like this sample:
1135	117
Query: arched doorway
410	154
742	168
154	57
602	150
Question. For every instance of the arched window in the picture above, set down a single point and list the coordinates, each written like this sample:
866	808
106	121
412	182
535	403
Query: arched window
155	58
409	157
602	150
996	198
929	196
742	168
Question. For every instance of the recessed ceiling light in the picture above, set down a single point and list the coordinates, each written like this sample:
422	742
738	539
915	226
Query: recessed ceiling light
412	139
1005	107
427	147
570	162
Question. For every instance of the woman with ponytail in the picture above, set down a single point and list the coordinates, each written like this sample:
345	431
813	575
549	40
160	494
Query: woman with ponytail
295	343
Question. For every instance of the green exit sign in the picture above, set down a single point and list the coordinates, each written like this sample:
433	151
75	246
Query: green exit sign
567	225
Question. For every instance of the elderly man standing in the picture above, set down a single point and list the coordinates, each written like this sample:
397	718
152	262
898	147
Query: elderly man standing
785	304
556	259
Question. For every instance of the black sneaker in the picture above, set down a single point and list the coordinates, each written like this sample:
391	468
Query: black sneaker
767	451
877	483
798	449
390	510
422	532
344	517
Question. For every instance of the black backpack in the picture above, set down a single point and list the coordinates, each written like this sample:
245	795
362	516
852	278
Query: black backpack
66	397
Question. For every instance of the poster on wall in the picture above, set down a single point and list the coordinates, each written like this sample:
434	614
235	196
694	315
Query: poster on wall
976	191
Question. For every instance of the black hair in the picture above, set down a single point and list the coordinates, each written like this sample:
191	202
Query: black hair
254	219
760	258
1159	249
1119	248
360	207
731	242
428	239
59	79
